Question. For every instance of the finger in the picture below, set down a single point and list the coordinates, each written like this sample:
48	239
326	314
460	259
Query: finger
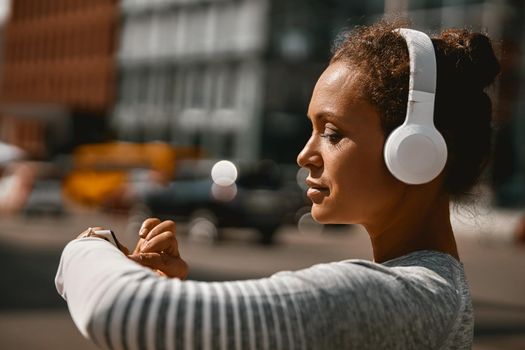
84	233
164	226
168	265
164	242
147	226
160	273
151	260
138	247
154	227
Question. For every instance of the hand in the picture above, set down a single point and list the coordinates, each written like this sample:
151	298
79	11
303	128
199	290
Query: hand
90	232
158	249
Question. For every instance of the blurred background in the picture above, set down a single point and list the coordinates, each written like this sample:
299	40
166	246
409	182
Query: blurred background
195	110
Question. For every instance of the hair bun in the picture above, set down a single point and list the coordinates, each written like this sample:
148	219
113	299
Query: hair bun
473	56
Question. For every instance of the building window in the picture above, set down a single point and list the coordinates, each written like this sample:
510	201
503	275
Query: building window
228	146
197	88
131	85
226	88
142	85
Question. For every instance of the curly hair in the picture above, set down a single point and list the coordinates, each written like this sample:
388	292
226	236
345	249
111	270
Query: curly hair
466	65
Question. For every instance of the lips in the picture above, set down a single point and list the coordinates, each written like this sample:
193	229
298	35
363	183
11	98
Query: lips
317	185
317	191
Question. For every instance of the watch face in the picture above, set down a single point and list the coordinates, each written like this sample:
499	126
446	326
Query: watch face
108	235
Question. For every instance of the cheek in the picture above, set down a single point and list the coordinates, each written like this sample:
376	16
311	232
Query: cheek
359	170
361	184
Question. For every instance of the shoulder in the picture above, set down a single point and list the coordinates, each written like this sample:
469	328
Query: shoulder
422	285
423	293
417	298
421	267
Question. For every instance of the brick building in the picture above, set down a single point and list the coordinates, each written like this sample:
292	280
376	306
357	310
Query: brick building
58	71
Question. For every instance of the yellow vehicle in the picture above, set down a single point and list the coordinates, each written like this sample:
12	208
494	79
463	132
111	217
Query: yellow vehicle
102	170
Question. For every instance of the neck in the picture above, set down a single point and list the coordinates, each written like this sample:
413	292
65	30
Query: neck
416	227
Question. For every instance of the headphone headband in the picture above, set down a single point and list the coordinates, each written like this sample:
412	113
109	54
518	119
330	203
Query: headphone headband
422	57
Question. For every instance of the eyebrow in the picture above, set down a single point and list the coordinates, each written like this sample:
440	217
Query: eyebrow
326	116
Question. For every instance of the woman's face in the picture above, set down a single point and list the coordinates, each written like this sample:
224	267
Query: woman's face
348	181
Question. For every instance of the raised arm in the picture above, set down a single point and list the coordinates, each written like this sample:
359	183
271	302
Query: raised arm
120	304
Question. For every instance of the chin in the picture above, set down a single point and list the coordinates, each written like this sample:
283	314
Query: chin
321	215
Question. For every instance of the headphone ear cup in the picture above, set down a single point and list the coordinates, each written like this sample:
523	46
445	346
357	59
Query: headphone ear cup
415	154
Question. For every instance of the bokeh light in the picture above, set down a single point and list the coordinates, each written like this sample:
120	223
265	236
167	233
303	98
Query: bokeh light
301	176
224	193
224	173
308	225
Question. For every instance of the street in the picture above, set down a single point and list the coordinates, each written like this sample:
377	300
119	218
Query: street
33	316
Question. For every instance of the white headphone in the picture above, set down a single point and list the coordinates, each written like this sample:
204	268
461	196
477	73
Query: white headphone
415	152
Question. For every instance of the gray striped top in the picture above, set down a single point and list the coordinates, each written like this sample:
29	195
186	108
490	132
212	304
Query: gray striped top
417	301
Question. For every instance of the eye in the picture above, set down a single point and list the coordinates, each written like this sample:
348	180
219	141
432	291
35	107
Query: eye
331	135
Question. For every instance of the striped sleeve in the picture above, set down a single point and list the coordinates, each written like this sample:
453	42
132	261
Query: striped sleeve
129	307
119	304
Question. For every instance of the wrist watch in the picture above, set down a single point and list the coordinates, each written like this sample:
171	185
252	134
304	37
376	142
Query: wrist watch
107	235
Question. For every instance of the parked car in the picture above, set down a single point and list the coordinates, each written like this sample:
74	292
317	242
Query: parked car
261	196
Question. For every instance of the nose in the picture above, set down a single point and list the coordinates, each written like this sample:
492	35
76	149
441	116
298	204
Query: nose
310	156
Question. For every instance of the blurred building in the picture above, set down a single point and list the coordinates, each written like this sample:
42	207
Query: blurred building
191	73
57	72
233	77
299	44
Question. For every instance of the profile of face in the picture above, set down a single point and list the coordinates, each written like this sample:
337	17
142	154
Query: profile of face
348	179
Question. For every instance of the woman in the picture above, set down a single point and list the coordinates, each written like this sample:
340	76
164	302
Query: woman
413	296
